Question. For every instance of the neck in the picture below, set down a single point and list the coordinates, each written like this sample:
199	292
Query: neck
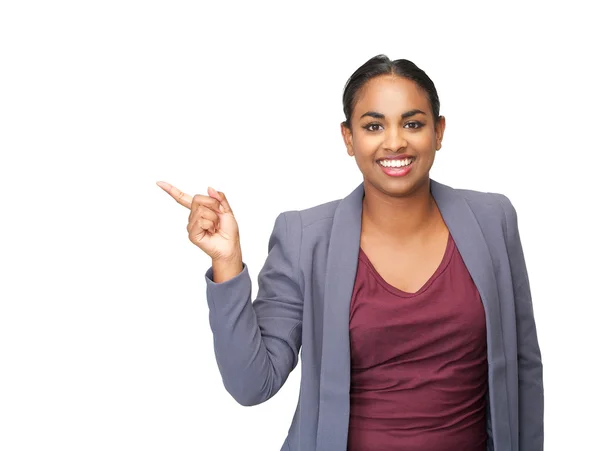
399	218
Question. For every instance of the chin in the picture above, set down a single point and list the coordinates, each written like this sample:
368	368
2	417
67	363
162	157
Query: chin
398	187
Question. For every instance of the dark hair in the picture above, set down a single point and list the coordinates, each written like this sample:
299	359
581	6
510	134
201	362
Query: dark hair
382	65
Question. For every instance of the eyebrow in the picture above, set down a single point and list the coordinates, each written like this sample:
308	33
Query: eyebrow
382	116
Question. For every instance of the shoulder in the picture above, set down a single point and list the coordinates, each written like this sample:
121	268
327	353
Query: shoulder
482	199
321	214
297	228
490	206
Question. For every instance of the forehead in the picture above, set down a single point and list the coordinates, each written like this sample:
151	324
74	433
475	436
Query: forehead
390	95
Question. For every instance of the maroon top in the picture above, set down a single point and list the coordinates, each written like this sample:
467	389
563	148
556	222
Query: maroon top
419	362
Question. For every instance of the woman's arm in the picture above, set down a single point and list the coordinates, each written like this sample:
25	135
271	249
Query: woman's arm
531	389
257	344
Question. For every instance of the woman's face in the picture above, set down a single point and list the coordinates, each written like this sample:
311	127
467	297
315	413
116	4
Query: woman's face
392	118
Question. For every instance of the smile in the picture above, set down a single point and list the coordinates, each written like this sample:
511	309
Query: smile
396	168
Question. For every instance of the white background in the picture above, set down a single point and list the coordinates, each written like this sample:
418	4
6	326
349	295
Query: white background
104	334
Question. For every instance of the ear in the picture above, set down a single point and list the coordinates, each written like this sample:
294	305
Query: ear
439	132
347	137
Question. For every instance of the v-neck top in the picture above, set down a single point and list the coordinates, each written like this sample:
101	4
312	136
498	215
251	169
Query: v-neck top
418	361
364	259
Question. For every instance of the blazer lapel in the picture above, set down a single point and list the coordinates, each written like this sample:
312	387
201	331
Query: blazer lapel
474	250
342	262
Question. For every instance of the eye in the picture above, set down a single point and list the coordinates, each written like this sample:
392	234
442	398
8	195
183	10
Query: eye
369	127
416	124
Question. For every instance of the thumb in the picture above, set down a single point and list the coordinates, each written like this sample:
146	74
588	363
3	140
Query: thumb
224	207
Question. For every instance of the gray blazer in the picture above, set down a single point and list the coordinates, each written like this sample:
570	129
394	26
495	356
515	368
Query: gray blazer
303	302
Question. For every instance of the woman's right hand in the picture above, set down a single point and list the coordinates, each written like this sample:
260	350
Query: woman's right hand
211	224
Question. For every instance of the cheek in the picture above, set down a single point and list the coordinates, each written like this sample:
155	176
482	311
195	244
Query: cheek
423	141
367	144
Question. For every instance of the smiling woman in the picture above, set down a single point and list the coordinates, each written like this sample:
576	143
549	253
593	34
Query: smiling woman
408	299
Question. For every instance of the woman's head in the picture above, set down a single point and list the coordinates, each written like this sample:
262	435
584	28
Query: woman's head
392	110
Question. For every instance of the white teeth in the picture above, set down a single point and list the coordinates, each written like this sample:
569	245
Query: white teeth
395	163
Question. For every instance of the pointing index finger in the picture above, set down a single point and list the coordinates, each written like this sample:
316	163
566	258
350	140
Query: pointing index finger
181	197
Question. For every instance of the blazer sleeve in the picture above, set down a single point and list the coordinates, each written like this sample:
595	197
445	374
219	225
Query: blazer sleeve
531	389
257	343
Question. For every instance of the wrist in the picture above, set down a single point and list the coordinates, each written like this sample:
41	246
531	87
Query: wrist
226	268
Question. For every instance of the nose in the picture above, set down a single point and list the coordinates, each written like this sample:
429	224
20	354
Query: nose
395	140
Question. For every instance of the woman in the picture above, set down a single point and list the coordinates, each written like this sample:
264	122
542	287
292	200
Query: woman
410	299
